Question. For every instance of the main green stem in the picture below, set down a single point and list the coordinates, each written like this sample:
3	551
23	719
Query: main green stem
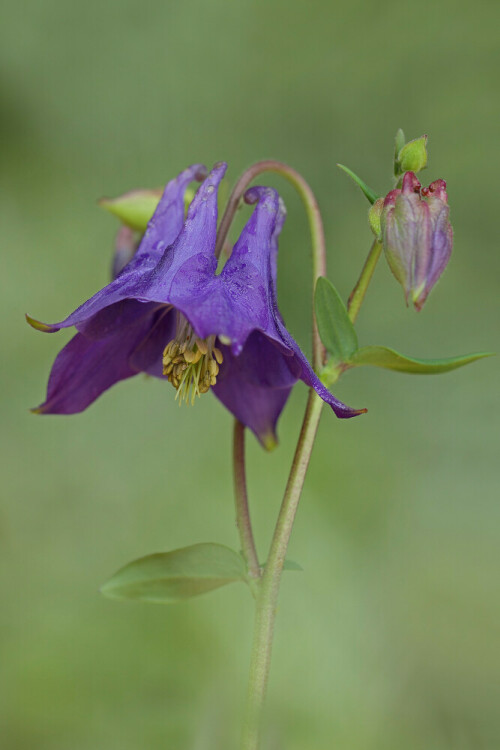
265	613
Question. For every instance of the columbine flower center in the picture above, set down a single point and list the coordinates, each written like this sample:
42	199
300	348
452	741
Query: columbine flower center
191	364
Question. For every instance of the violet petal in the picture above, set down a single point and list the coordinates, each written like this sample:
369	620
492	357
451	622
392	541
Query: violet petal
85	368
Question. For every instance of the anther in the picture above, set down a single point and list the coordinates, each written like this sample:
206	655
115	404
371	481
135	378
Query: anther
191	364
202	345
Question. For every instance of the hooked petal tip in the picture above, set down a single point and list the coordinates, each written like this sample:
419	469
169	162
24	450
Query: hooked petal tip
201	173
38	325
269	441
251	196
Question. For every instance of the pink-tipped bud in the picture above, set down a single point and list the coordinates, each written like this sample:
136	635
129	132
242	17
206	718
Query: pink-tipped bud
417	235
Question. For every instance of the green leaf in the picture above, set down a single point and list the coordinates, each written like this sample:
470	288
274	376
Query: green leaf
381	356
370	194
335	329
169	577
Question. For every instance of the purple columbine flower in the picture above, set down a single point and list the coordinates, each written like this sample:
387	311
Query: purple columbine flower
417	235
170	315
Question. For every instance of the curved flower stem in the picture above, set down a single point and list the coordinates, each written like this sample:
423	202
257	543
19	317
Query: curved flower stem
315	226
243	521
358	293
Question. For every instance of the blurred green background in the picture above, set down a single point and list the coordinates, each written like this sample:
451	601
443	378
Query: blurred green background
388	639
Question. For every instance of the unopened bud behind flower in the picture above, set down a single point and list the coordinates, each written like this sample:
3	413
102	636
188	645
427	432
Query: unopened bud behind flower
417	235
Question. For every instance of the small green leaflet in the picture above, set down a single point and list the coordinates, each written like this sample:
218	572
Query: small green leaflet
169	577
381	356
335	328
370	194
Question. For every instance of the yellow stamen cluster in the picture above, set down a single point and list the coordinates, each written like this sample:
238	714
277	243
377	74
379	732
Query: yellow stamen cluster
192	366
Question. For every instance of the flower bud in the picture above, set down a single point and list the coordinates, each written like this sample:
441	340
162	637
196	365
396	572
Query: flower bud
412	157
134	208
417	235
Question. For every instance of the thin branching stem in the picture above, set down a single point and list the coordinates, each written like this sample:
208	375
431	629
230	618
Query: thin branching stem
243	520
358	293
